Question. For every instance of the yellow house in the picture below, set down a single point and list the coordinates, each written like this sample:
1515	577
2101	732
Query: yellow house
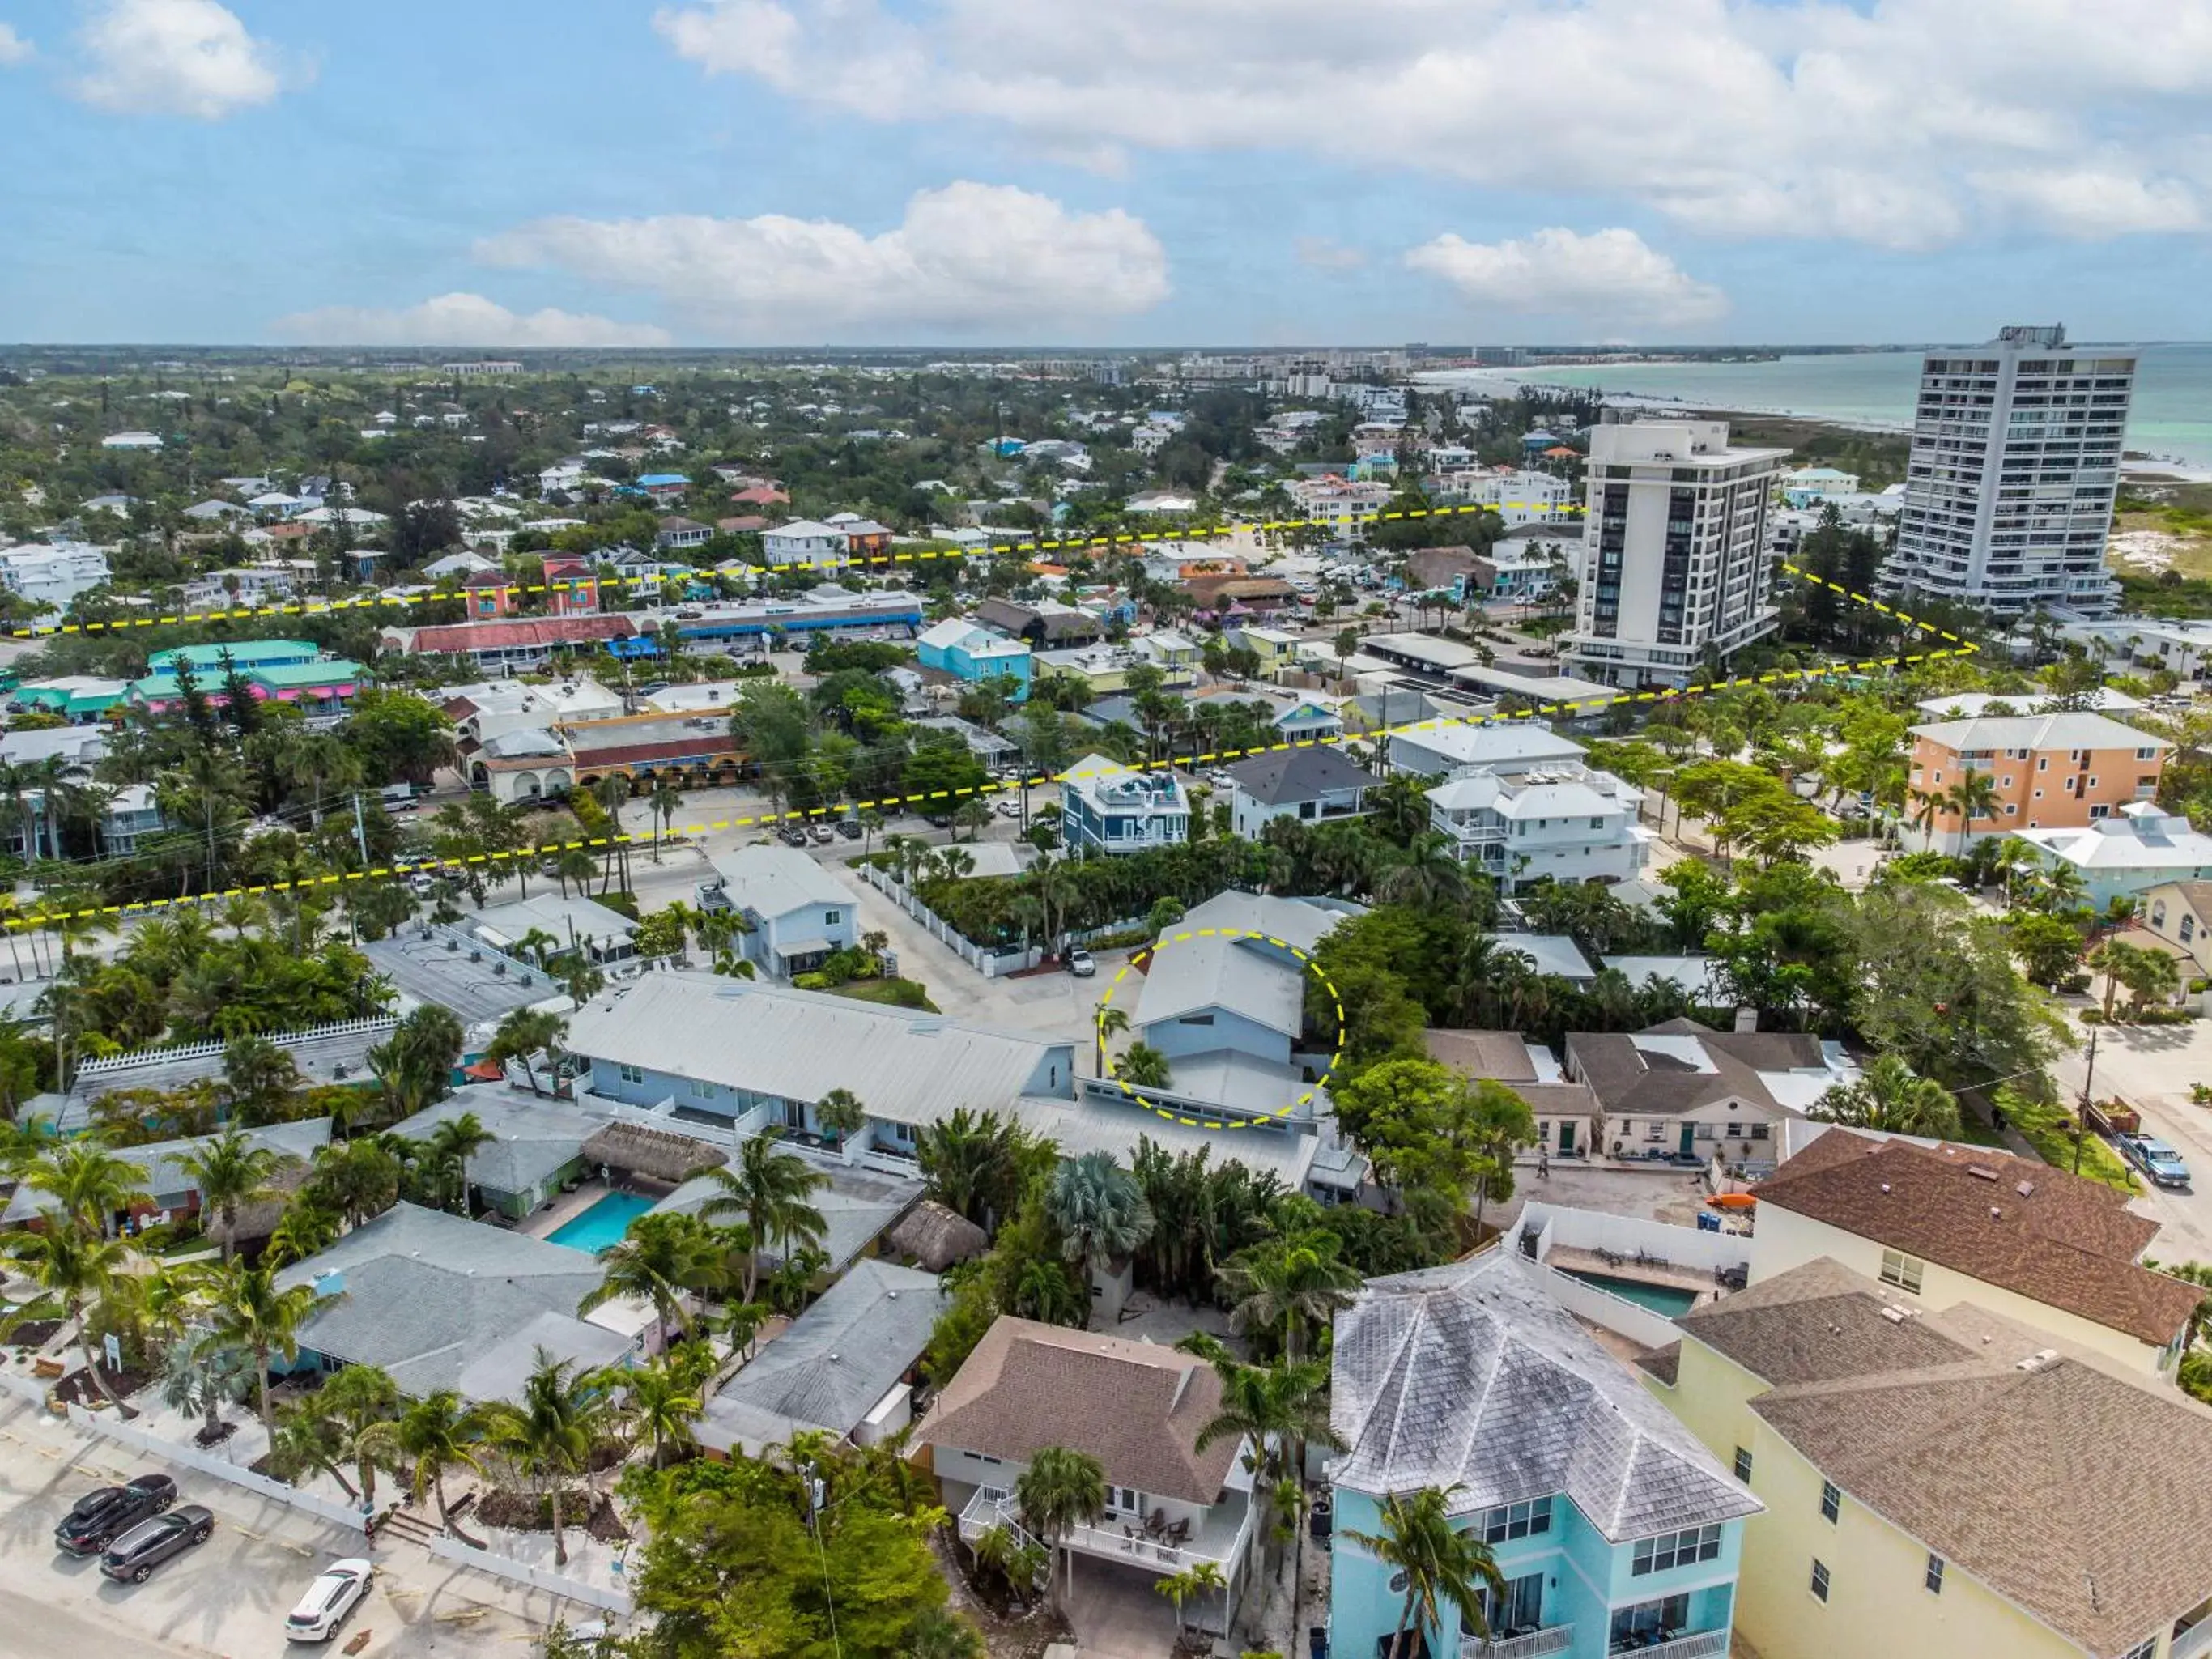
1947	1223
1945	1483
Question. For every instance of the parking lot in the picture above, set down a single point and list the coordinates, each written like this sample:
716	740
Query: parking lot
227	1598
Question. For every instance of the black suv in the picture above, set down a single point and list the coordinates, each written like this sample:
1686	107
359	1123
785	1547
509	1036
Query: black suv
102	1517
136	1555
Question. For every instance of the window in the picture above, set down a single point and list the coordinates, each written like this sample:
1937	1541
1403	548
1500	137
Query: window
1832	1501
2188	928
1674	1549
2043	762
1933	1576
1517	1520
2146	754
631	1074
1743	1464
2143	1649
831	918
1902	1270
2092	783
1637	1627
2158	914
1820	1580
2100	811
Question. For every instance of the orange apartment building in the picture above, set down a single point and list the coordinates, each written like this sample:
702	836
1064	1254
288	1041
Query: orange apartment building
2064	771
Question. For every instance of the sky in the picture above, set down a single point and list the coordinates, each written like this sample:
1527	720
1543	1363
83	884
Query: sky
1088	173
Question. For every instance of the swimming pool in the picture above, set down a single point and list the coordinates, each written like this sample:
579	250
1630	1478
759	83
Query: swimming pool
1668	1299
603	1224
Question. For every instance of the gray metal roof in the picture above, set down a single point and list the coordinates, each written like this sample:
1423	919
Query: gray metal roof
423	971
327	1053
534	1139
775	880
857	1206
1093	1127
1471	1375
162	1163
422	1293
1211	959
905	1067
499	1372
833	1363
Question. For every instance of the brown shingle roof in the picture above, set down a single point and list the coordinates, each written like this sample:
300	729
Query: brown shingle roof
1640	1081
2078	1493
2064	1242
1500	1054
1135	1406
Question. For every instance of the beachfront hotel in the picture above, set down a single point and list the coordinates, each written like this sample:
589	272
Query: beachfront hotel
2016	462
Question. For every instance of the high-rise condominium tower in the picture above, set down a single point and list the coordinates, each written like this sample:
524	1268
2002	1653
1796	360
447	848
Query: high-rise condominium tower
2016	462
1675	560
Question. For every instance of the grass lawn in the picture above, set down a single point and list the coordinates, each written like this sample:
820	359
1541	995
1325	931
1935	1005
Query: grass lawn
2049	1129
898	993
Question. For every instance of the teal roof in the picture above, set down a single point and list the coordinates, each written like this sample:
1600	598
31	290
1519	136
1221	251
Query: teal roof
247	653
306	673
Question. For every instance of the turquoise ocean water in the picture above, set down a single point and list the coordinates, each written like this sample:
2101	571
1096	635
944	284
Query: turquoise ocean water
2171	418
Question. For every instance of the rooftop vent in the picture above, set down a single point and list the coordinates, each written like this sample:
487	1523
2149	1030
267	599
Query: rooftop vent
2025	1188
1981	1172
1895	1316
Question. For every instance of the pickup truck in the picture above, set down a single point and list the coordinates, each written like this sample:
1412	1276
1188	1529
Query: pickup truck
2156	1159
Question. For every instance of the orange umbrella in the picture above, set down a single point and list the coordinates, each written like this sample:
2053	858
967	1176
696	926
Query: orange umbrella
1732	1201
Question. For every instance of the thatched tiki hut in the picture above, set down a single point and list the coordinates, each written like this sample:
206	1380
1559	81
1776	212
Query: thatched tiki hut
656	1155
935	1237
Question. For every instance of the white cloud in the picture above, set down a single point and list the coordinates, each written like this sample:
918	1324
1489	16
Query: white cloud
966	257
462	320
177	57
1324	254
1904	123
13	48
1606	275
2090	203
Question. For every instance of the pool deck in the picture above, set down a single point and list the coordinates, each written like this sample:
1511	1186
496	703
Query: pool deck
544	1223
1665	1274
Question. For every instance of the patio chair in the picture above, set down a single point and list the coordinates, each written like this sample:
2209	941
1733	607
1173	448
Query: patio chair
1157	1524
1178	1533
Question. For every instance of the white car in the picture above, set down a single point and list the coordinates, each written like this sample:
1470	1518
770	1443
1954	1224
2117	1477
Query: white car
329	1599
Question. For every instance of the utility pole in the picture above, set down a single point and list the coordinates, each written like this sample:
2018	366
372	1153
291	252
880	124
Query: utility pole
2081	1123
360	831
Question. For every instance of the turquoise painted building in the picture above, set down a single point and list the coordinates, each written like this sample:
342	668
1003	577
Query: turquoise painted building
1614	1528
973	654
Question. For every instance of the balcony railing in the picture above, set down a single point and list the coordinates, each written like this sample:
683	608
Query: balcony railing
990	1508
2194	1642
1531	1644
1703	1645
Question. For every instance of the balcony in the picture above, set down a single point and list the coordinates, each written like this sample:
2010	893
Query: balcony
1220	1538
1703	1645
1529	1644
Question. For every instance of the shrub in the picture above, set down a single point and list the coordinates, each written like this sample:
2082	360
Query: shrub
2075	985
2093	1015
809	982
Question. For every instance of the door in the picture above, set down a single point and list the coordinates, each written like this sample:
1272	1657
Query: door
1689	1140
1567	1141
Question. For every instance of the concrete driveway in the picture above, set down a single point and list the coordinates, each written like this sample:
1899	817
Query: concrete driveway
1116	1613
226	1599
2151	1068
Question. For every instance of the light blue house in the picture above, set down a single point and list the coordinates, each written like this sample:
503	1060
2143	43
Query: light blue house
1615	1528
968	653
796	914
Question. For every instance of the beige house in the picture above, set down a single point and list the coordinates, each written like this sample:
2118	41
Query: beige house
2180	913
1946	1225
1684	1092
1946	1482
1568	1123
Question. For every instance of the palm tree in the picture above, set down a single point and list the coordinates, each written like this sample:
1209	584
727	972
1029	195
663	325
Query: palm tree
666	801
660	1260
840	1113
1196	1579
1059	1490
768	1192
440	1433
77	1270
362	1403
549	1435
87	1183
1099	1211
1441	1564
195	1377
258	1077
662	1402
1111	1023
1974	796
1145	1067
1295	1280
230	1172
304	1227
1428	877
448	1149
249	1310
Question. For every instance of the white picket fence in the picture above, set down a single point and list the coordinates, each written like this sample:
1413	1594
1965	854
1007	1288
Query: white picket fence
989	963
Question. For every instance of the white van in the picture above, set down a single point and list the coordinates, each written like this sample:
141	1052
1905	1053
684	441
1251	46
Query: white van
398	797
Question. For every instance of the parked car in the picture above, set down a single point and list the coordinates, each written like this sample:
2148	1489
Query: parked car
133	1557
792	835
329	1599
821	834
849	827
2156	1159
1080	964
98	1518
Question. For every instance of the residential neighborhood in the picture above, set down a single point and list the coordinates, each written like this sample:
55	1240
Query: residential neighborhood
1218	1004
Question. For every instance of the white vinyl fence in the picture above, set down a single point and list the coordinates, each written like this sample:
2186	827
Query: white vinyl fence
519	1572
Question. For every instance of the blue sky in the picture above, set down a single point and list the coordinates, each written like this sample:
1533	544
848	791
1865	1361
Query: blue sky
772	172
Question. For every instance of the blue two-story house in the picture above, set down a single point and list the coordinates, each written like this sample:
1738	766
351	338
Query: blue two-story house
973	654
1614	1529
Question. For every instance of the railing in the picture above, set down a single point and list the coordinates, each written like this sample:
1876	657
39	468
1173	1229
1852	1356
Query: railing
2194	1641
1704	1644
1556	1639
991	1508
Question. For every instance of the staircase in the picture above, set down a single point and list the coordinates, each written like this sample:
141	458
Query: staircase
412	1528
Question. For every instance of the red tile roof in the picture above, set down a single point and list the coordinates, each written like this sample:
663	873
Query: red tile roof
537	630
